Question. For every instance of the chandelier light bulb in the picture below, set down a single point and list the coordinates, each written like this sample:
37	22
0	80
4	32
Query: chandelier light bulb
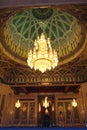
42	57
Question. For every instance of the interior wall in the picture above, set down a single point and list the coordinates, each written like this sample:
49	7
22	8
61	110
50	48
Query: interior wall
30	104
26	115
63	100
83	95
6	104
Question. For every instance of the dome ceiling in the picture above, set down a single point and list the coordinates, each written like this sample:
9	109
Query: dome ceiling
66	33
21	77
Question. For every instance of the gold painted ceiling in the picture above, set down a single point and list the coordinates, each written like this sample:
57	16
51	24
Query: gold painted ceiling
72	67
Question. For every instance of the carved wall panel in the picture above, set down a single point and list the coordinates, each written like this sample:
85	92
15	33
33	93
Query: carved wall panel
25	115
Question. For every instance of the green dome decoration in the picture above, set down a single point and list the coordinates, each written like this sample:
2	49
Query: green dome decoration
42	13
24	27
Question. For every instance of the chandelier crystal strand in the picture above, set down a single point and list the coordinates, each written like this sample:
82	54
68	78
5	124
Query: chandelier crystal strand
42	57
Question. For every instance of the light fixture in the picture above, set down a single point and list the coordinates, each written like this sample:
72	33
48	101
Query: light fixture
42	57
74	103
24	108
17	104
46	103
69	107
39	107
46	111
53	108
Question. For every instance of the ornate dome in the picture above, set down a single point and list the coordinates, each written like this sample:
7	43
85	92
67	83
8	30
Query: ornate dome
63	29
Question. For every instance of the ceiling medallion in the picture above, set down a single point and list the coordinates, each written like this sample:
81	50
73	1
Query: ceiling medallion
42	57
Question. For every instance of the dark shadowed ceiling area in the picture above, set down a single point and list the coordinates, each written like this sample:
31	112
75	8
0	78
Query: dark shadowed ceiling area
65	25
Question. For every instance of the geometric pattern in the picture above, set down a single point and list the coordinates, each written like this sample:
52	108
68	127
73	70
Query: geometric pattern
21	77
64	30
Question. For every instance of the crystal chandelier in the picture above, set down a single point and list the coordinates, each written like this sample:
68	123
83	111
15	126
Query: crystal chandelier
42	57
